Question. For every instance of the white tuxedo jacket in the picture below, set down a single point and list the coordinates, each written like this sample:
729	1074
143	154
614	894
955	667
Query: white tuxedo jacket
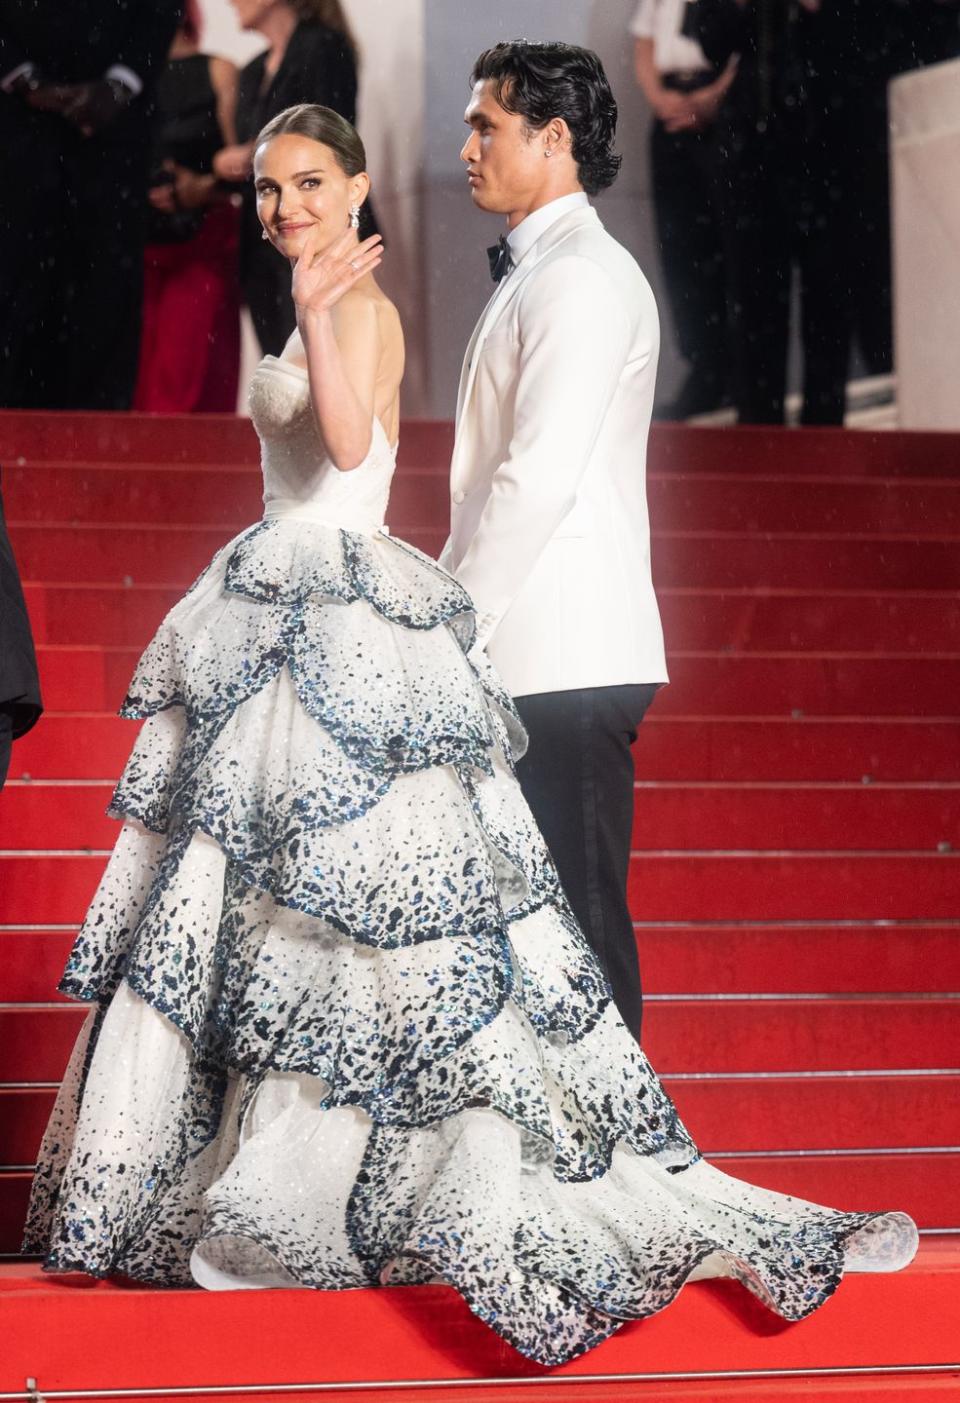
549	530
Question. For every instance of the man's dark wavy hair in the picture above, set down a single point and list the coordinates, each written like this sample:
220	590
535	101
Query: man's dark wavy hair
543	81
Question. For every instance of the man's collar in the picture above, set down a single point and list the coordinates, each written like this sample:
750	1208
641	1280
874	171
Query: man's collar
529	230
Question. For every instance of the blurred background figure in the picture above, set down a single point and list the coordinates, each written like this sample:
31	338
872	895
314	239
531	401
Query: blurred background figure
685	91
311	57
20	705
76	94
785	186
190	348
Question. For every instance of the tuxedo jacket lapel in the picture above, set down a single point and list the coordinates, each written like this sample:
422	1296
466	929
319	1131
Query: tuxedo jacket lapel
503	296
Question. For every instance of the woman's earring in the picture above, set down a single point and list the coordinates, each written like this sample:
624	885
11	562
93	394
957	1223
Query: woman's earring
354	216
264	234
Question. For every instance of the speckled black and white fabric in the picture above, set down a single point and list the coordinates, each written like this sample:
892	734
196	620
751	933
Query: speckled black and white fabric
344	1029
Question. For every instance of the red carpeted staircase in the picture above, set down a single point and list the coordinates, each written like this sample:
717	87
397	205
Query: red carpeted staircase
795	883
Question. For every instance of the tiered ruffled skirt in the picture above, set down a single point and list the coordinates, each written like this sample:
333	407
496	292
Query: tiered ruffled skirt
344	1028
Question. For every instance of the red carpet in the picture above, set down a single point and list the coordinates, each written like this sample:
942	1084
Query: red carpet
795	883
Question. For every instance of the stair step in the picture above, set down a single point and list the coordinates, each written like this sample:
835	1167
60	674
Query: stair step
723	1114
718	749
138	1338
199	439
734	502
154	439
58	814
761	620
828	453
785	817
31	963
92	745
56	888
675	959
175	555
793	886
98	493
810	684
842	957
784	748
704	684
682	1036
740	621
159	442
814	1113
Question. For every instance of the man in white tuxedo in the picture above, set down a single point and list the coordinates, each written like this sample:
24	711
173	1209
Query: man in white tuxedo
549	528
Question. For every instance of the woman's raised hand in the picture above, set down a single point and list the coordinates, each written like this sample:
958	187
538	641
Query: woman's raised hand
321	279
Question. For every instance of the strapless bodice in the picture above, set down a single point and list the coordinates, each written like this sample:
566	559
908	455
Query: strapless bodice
300	482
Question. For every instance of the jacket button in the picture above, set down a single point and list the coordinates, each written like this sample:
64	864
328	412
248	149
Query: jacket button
459	496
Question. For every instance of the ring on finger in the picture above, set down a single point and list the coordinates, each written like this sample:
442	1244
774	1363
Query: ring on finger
354	264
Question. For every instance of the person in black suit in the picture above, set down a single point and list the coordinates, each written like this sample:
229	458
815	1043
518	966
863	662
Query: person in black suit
785	186
20	704
75	93
311	58
805	181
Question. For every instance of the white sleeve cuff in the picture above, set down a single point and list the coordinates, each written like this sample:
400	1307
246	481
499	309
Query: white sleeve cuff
126	76
22	70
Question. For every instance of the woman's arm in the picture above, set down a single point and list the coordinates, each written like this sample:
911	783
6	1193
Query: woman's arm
341	337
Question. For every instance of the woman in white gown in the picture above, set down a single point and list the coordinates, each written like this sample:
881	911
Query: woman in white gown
344	1028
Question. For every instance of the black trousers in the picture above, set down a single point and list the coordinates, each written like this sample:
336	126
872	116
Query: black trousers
71	260
577	776
783	205
684	174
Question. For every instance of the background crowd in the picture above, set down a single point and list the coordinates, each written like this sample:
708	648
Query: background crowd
769	153
133	237
132	241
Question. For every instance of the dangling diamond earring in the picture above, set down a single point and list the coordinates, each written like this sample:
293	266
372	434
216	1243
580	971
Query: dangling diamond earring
264	234
354	216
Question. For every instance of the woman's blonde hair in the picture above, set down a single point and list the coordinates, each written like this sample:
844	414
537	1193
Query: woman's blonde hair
328	12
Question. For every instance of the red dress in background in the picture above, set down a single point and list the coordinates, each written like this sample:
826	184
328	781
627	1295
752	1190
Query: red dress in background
190	346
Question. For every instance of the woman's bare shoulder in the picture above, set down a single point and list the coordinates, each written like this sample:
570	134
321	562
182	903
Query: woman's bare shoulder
371	308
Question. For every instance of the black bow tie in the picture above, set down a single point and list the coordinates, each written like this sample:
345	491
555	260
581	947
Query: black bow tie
501	260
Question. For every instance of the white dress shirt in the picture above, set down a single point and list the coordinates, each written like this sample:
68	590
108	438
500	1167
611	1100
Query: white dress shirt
662	21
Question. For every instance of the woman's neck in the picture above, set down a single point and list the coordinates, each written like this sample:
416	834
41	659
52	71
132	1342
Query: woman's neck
276	26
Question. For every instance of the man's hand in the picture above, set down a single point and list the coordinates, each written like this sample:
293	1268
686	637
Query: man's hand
161	197
670	106
234	163
191	190
89	106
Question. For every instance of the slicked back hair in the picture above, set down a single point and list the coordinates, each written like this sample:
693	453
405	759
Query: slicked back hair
544	81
